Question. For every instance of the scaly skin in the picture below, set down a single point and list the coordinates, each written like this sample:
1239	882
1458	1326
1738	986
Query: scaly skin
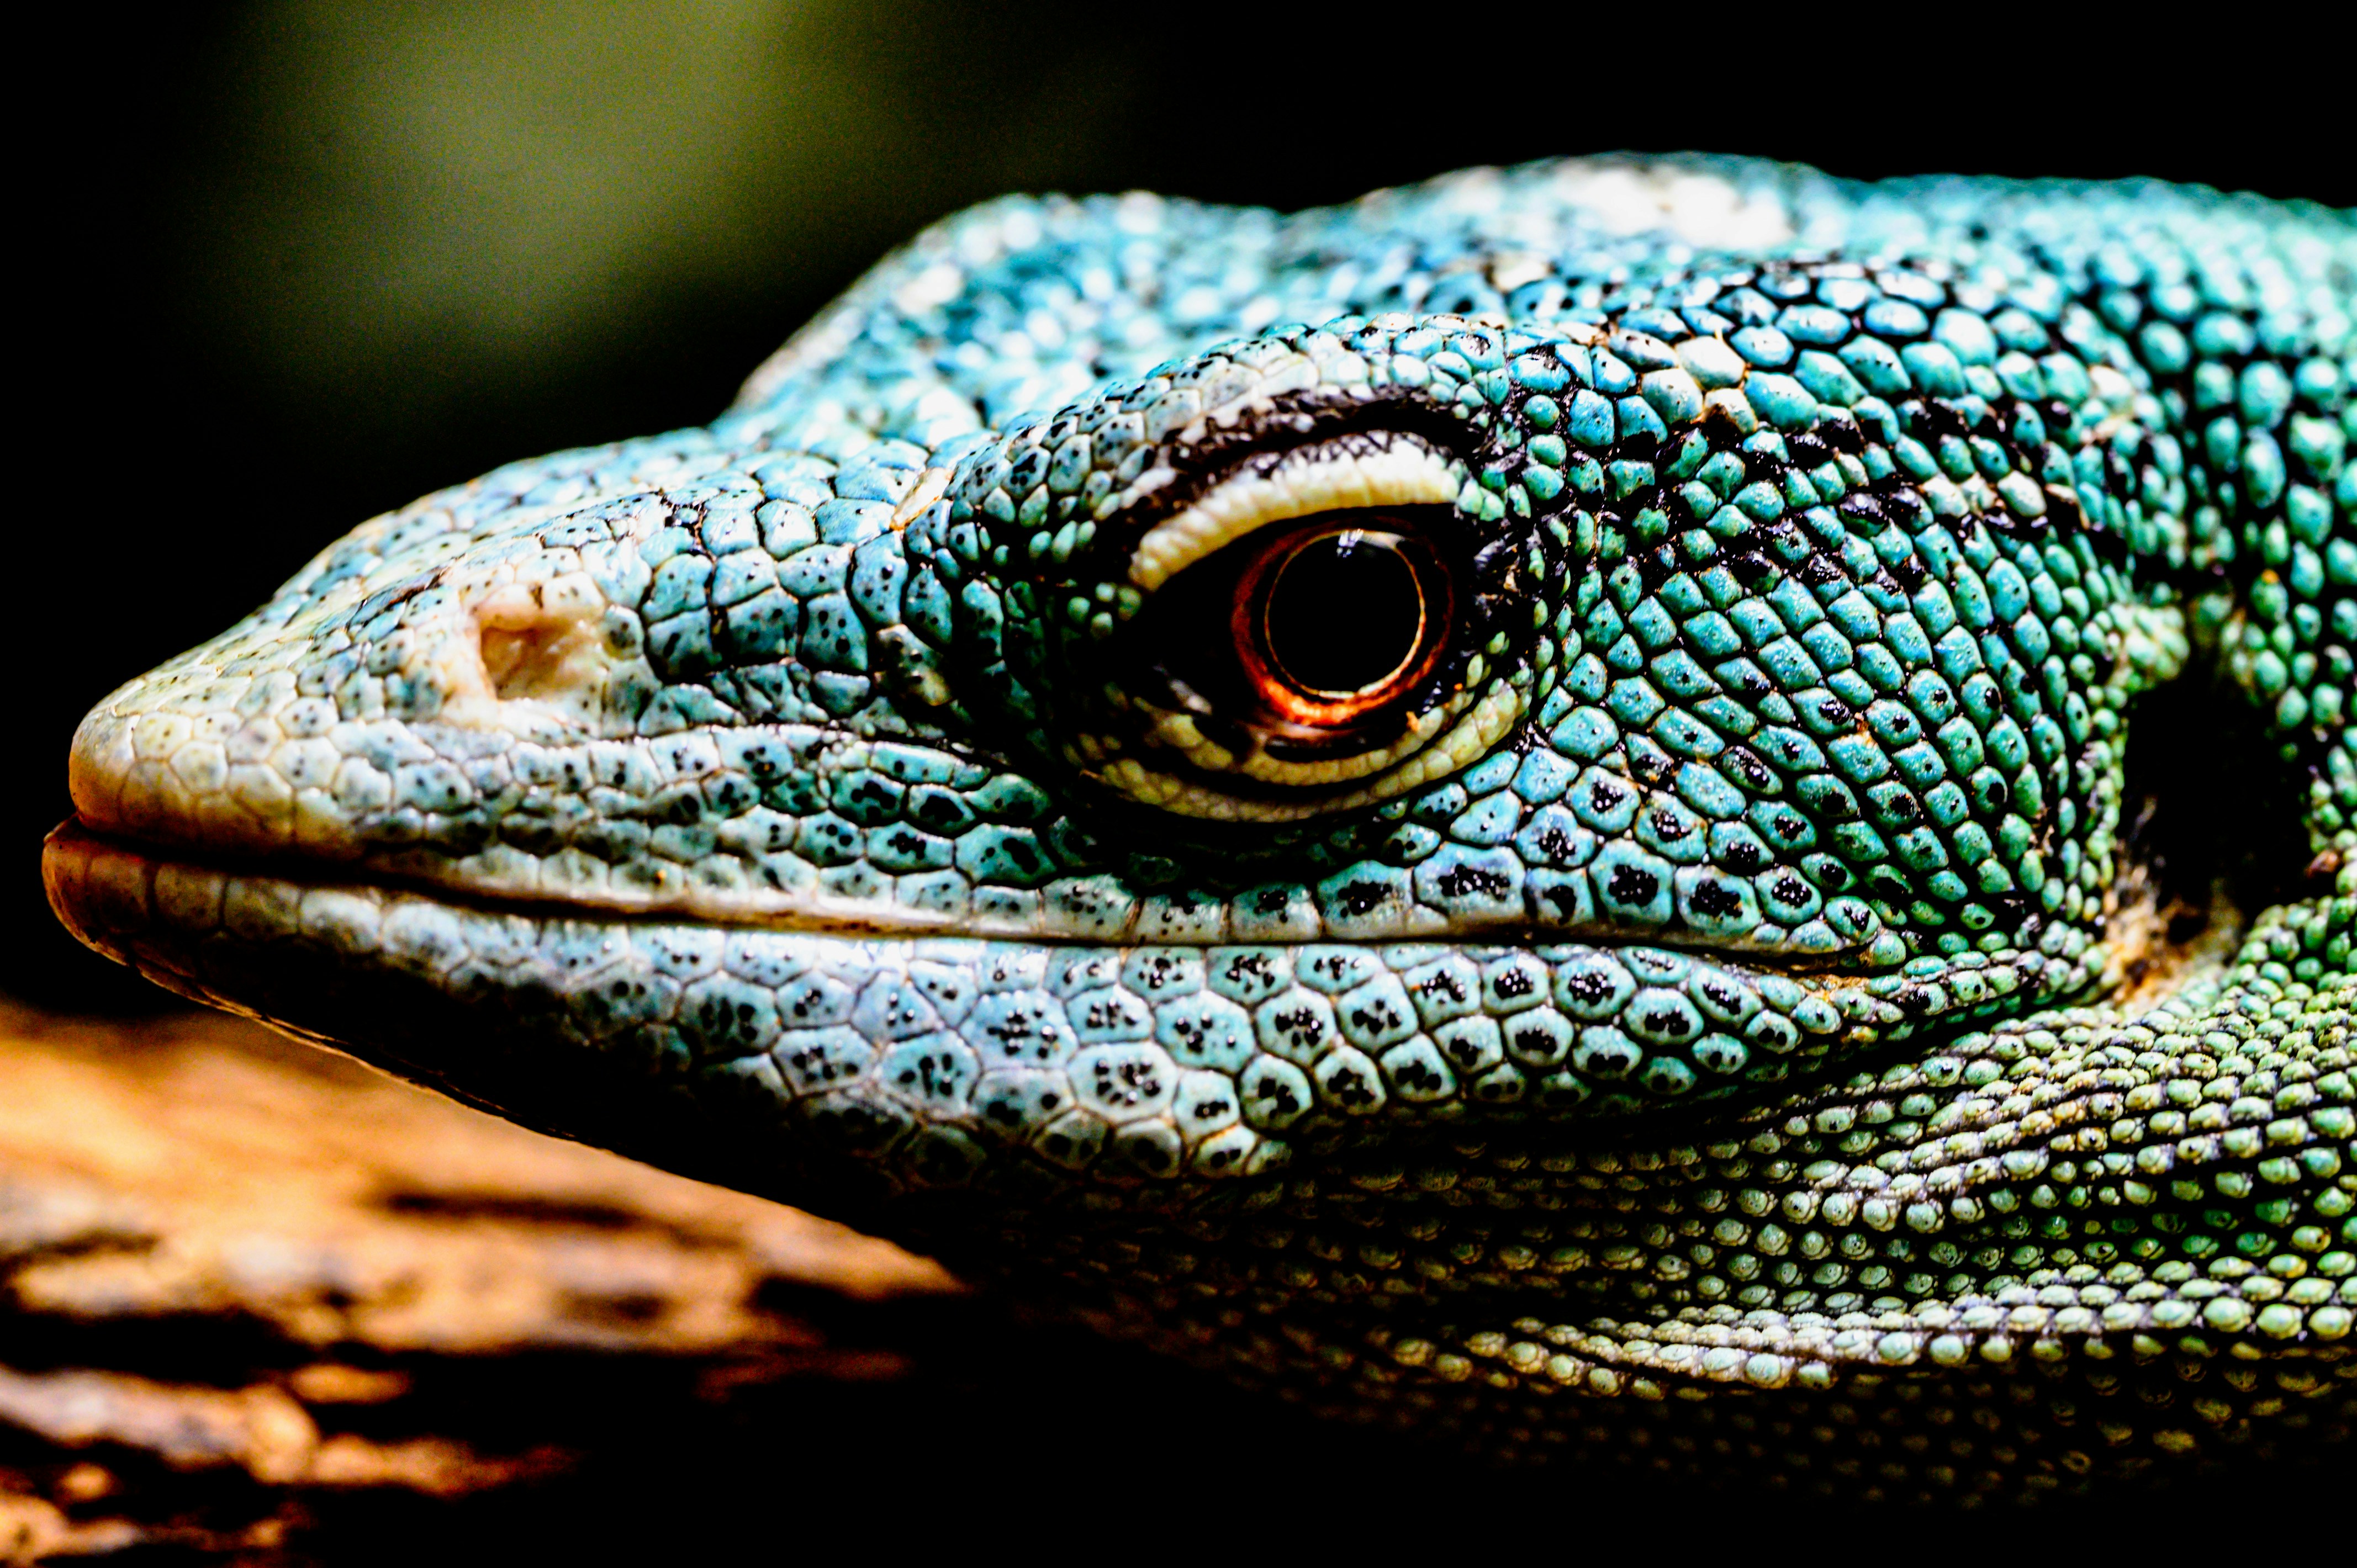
1703	1012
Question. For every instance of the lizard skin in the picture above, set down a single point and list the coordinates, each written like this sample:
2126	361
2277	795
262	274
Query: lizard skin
1690	1002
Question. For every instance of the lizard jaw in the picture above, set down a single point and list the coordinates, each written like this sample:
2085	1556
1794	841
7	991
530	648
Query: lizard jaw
1181	1066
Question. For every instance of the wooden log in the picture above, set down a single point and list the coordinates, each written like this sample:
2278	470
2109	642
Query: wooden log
244	1277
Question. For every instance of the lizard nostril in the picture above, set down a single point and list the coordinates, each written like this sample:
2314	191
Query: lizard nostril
545	643
530	662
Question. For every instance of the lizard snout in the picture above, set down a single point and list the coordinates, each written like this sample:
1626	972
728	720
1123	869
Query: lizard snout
255	746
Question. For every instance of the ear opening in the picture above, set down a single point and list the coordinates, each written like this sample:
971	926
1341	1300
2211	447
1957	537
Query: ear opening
2210	815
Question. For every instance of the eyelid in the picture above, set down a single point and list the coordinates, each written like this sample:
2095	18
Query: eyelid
1332	478
1471	734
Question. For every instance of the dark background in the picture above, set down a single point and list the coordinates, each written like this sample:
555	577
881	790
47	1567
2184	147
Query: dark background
290	264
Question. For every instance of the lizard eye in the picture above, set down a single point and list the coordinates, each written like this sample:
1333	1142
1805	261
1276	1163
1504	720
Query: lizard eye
1303	642
1314	633
1341	616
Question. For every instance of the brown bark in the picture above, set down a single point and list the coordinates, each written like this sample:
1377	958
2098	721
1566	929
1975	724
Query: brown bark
246	1281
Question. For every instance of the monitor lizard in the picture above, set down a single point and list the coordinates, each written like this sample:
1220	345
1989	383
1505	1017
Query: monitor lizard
1498	808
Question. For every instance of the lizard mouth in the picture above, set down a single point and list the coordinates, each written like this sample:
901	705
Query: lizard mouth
111	888
1208	1060
490	1007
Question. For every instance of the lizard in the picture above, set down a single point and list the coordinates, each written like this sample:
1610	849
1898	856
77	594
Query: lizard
1499	809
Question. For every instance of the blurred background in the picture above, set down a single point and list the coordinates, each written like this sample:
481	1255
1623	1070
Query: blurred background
291	264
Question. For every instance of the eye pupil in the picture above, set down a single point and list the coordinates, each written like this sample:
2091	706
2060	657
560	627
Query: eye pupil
1345	612
1315	643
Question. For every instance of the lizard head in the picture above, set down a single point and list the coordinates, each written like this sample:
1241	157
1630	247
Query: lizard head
1411	717
1613	673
